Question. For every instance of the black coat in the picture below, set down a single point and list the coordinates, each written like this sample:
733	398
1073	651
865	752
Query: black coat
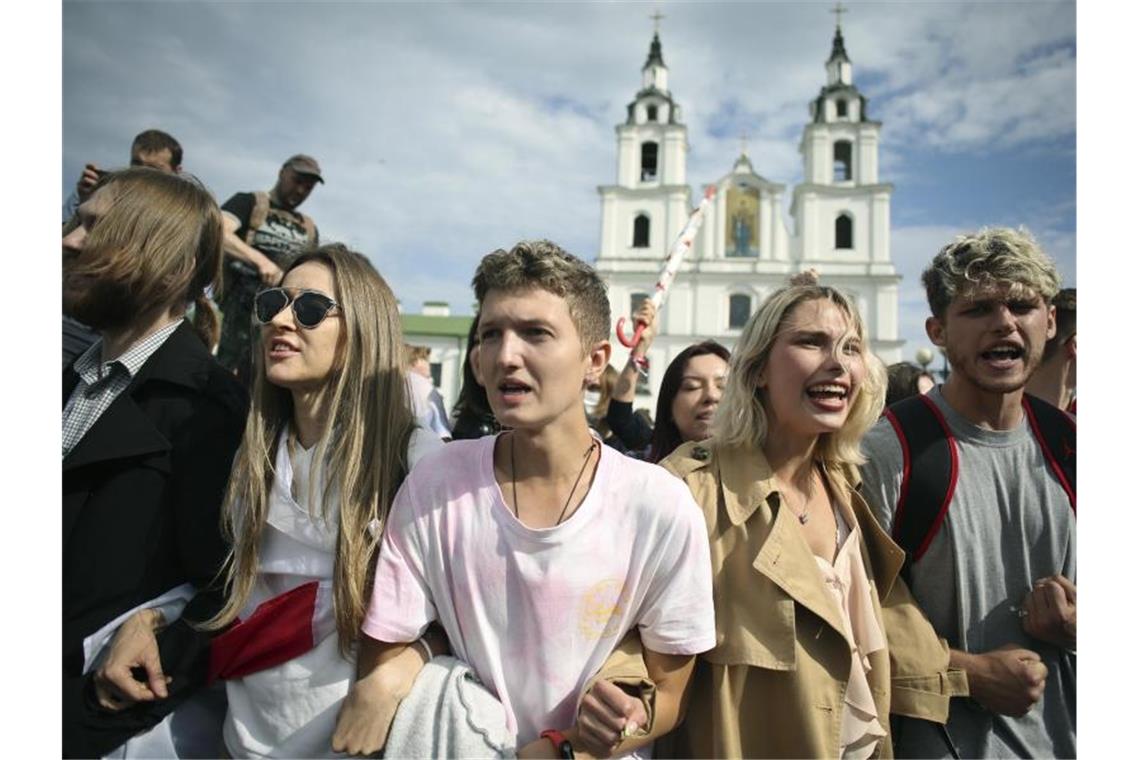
142	493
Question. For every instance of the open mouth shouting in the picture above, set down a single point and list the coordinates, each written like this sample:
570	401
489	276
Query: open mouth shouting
280	348
513	391
829	396
1003	355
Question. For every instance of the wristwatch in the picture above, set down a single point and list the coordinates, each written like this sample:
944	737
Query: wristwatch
561	744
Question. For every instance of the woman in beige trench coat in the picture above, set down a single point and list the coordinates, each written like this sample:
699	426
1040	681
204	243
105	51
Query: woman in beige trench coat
811	615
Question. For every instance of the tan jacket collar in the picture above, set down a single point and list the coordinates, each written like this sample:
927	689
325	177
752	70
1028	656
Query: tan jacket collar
747	479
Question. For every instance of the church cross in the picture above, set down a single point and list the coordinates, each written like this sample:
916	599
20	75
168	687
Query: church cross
744	142
838	10
657	16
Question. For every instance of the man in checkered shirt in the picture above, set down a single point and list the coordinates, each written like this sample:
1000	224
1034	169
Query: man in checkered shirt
150	425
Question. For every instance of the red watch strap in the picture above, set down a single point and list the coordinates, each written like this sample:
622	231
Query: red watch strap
561	744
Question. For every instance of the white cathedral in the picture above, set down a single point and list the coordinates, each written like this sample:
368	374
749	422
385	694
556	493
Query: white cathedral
743	250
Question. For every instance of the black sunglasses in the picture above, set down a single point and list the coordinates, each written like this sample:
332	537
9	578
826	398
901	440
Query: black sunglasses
309	306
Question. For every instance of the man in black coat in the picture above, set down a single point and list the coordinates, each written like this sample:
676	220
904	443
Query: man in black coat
150	426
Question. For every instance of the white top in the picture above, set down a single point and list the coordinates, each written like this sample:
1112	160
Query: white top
537	612
290	710
846	581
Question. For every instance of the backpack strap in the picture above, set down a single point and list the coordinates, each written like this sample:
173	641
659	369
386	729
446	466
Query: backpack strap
1056	433
930	474
258	215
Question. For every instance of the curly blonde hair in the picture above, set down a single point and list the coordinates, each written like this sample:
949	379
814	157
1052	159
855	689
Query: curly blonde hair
992	257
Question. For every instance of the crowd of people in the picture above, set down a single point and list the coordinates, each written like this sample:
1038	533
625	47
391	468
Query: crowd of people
278	543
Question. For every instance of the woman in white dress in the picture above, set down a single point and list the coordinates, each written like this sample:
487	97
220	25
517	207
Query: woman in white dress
329	439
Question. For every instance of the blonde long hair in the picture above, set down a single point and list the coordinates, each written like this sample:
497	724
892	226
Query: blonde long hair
740	418
363	447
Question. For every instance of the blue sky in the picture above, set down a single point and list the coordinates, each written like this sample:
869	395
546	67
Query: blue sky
449	129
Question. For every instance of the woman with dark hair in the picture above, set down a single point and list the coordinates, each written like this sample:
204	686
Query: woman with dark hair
472	414
690	391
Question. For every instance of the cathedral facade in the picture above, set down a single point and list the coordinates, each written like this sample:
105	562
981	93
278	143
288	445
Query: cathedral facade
744	249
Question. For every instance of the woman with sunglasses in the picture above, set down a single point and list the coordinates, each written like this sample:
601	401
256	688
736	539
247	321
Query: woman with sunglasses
329	439
805	581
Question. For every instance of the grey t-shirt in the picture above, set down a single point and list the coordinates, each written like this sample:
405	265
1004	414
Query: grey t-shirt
1009	524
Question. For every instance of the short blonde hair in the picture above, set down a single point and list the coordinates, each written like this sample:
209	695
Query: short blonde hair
740	418
990	257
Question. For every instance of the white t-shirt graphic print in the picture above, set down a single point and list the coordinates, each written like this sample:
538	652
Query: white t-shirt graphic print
537	612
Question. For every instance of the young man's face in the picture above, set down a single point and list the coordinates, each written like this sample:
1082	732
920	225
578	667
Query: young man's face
531	360
994	336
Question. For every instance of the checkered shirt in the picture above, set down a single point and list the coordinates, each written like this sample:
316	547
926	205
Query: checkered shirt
100	384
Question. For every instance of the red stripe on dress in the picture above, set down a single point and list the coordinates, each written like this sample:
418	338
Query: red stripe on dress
279	630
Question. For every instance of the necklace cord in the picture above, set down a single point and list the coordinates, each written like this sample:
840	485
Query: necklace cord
573	488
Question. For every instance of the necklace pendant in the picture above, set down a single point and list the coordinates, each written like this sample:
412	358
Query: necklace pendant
803	518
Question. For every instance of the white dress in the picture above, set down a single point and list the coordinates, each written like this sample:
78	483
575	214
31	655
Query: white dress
289	710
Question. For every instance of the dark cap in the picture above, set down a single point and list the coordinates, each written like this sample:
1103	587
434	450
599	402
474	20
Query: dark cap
303	164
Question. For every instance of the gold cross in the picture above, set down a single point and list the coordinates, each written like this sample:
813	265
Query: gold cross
657	16
838	10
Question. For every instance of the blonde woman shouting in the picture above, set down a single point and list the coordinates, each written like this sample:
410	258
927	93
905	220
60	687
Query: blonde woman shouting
808	603
329	439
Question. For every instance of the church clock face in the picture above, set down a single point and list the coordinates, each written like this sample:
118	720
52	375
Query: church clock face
742	222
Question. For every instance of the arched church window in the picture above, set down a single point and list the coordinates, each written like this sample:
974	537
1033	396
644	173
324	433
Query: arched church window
648	160
651	113
842	160
841	108
739	310
641	231
844	231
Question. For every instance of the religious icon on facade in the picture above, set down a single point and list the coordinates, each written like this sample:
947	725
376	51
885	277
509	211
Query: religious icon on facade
742	222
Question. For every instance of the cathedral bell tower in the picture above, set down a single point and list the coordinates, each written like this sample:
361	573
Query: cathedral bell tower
647	207
842	210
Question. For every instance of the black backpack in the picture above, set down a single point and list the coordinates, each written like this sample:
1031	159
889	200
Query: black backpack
930	474
930	465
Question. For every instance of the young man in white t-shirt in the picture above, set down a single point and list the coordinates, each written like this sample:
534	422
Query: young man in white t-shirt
538	549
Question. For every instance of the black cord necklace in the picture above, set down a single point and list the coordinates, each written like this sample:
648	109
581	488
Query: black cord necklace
573	488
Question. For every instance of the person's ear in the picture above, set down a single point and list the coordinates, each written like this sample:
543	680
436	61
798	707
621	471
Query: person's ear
936	331
1051	330
476	368
1071	347
598	356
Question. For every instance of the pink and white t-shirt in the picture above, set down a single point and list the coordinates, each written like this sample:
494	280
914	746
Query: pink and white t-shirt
536	612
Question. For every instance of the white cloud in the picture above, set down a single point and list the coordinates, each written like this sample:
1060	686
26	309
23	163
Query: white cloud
447	130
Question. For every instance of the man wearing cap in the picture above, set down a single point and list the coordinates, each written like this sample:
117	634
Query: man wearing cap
263	232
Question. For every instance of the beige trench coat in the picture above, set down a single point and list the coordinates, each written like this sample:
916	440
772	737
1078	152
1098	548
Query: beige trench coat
774	685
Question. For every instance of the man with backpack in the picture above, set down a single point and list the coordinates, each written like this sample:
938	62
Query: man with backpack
264	231
977	482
